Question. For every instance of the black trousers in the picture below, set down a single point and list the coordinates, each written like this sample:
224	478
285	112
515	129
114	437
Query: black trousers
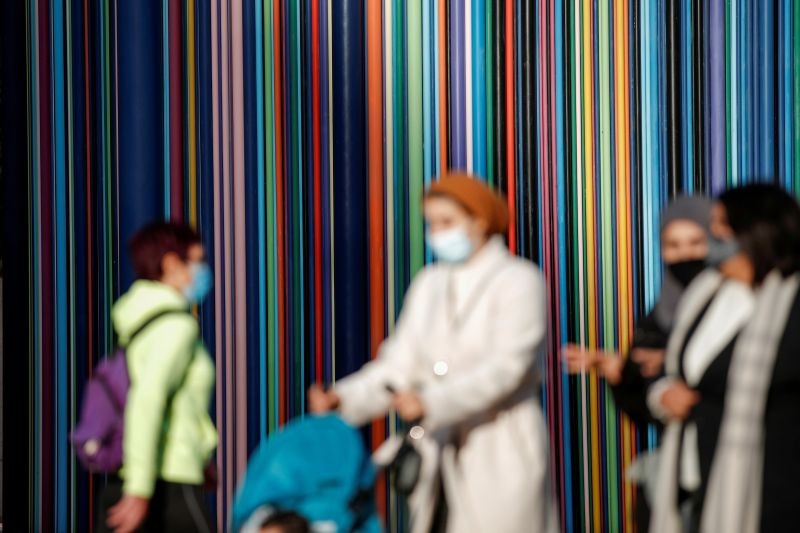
173	507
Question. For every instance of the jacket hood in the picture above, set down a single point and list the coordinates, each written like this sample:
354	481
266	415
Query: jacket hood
143	300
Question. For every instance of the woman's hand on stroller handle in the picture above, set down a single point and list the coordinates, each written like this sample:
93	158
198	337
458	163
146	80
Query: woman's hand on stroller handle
322	400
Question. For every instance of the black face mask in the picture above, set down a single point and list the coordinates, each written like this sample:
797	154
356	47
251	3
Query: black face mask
686	271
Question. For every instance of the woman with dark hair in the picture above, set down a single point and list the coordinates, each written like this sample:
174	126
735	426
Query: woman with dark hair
169	436
731	395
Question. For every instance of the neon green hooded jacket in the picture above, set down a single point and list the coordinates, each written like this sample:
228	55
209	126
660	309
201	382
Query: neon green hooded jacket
164	439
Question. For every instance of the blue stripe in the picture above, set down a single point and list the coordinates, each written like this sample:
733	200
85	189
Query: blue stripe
767	90
253	213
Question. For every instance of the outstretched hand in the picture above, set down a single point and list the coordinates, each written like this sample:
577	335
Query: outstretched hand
579	360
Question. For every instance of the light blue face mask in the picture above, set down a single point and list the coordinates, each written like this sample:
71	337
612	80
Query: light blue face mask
720	250
451	246
200	286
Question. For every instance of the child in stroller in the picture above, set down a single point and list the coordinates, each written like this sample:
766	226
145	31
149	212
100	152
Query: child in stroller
317	470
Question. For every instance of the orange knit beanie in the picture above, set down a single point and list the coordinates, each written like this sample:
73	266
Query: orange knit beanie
476	197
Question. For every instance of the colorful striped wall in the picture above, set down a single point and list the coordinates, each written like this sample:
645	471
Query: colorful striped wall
298	137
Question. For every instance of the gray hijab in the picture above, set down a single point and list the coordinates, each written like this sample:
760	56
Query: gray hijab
696	209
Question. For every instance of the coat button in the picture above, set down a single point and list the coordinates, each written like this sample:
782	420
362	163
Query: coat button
440	368
416	432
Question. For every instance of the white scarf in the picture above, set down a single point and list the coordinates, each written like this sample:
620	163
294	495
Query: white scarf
733	495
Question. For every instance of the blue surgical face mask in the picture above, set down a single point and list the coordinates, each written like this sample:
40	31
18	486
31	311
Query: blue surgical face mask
201	283
451	246
720	250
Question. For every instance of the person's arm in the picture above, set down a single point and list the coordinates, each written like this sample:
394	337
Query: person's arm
170	344
363	395
517	331
630	394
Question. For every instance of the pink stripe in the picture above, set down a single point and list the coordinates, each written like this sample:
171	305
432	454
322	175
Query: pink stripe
226	222
240	244
215	80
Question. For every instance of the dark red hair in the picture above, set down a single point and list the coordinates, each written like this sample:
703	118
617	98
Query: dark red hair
151	243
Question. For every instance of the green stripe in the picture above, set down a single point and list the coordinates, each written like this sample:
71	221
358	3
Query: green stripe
415	144
272	249
297	200
574	17
607	226
401	268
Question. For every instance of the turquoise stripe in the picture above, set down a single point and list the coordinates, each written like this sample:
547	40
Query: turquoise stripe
428	133
479	87
71	317
60	267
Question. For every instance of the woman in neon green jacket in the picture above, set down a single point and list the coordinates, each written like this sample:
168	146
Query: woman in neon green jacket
169	436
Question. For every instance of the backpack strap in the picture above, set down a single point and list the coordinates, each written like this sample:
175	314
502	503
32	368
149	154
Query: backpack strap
150	321
154	318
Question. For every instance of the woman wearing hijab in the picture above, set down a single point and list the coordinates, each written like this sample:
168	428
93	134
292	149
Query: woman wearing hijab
463	363
684	247
731	394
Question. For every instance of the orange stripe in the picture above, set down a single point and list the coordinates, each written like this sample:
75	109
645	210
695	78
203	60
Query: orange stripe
375	184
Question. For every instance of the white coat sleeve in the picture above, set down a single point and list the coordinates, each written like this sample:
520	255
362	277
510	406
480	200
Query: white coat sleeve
363	395
517	329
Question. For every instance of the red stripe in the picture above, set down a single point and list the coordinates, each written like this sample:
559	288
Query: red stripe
279	192
175	111
377	307
315	87
46	448
512	231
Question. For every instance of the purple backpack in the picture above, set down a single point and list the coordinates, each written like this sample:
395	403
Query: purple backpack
98	436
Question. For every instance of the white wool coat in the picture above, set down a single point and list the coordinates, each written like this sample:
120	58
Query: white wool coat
469	339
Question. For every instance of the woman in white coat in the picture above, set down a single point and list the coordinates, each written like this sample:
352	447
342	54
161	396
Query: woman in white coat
463	360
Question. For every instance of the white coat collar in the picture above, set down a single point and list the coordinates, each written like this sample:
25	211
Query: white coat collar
485	259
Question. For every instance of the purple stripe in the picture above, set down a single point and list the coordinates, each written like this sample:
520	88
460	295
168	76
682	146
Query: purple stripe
717	93
458	133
